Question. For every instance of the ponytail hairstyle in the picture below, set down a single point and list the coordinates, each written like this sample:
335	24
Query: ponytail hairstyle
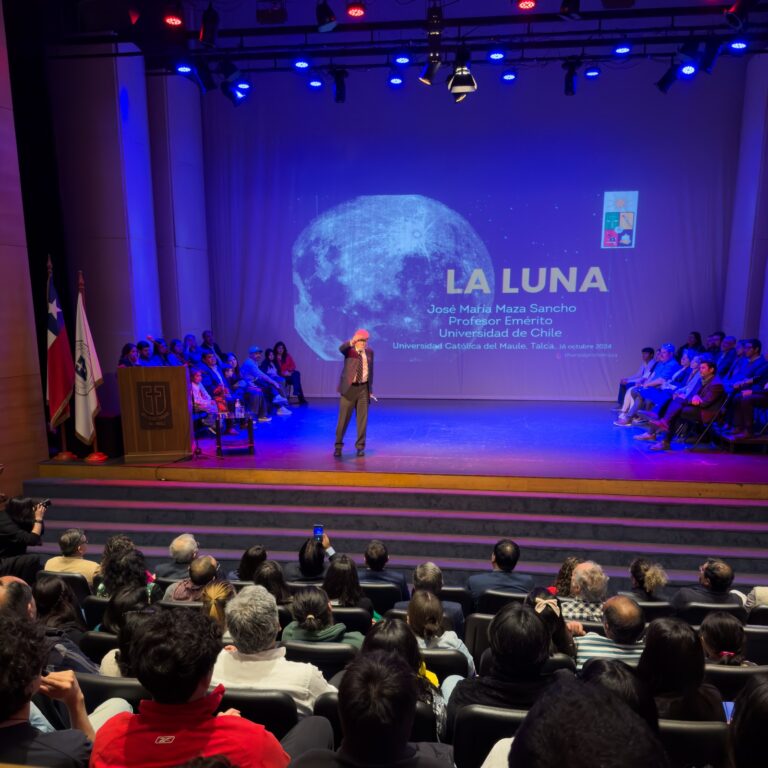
425	615
649	576
215	597
723	639
310	609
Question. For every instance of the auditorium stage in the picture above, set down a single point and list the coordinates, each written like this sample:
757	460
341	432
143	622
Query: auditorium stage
534	447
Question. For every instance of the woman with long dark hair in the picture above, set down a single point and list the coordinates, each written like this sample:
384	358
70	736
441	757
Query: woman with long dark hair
21	526
270	576
547	608
57	607
288	371
724	640
342	585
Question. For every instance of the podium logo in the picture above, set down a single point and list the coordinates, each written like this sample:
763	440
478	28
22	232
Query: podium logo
154	401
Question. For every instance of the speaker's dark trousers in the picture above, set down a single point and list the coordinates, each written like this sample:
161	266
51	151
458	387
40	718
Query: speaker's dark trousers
355	399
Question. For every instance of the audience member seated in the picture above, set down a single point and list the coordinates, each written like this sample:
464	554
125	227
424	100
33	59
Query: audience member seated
250	560
724	640
672	666
715	579
376	559
311	565
255	662
313	621
744	410
549	609
209	345
145	354
192	353
562	585
159	351
585	725
113	546
129	356
664	369
394	636
23	656
253	374
270	576
648	580
182	551
124	601
425	618
588	588
377	708
21	526
126	568
753	369
429	578
726	356
342	585
624	624
118	662
750	714
654	400
174	654
640	376
175	354
73	545
270	366
214	597
202	571
519	649
17	600
504	558
57	607
288	371
701	407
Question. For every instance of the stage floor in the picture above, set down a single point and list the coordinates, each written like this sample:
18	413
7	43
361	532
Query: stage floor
568	447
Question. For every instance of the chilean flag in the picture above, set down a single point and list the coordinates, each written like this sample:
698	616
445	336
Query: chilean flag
61	370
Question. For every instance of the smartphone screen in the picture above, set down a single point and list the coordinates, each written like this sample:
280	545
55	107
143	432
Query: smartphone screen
728	707
317	532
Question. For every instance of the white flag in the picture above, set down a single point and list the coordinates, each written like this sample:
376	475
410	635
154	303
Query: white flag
87	377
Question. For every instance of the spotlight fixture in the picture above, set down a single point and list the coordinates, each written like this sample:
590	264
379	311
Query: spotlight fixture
668	79
526	5
622	49
356	10
395	77
571	67
236	95
687	69
738	46
326	19
315	82
172	15
402	59
708	58
496	55
592	72
462	80
301	63
570	9
209	28
736	16
199	73
434	35
339	85
427	75
509	76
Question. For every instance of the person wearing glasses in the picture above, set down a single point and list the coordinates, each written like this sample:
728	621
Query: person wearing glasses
355	388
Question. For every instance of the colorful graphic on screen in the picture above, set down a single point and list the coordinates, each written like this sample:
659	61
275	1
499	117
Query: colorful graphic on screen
619	219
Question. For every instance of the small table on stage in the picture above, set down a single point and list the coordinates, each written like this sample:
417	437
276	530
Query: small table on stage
223	418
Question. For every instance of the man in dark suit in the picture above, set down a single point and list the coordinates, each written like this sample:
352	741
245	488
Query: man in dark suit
505	555
355	388
376	558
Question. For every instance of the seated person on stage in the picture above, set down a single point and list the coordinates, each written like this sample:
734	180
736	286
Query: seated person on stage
192	353
250	395
725	358
429	577
753	369
715	579
664	370
672	666
253	374
202	571
624	625
313	621
504	558
656	399
693	346
182	551
270	366
714	342
254	662
129	356
209	345
288	370
175	354
702	407
744	411
641	375
174	655
213	378
376	559
159	351
21	526
311	566
589	585
73	545
145	353
377	707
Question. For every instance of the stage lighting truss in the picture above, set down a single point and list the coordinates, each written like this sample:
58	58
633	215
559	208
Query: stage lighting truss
434	43
209	27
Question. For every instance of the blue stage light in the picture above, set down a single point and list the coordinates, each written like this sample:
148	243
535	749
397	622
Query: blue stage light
509	75
396	81
402	59
301	63
592	72
243	85
738	45
622	49
496	55
315	82
688	69
183	69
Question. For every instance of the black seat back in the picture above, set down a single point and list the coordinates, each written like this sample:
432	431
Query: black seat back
459	595
98	688
552	664
695	613
445	661
329	658
382	594
96	645
354	619
93	609
730	680
76	581
494	600
757	644
477	728
758	615
476	634
695	743
275	710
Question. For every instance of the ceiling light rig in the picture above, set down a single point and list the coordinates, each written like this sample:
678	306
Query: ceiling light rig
434	39
738	14
356	10
461	83
571	67
326	19
209	28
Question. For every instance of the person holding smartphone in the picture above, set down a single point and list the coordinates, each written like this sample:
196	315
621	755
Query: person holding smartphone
21	526
355	388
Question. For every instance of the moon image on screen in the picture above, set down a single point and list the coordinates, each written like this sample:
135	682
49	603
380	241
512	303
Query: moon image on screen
380	262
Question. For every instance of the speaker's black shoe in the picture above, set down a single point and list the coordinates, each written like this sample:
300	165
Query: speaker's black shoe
337	452
360	452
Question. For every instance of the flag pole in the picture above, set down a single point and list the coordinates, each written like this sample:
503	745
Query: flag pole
96	456
63	454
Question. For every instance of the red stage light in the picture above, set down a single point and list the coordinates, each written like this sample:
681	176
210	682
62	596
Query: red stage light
356	10
173	19
526	5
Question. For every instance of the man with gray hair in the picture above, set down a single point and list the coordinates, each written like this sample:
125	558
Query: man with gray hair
73	544
429	577
588	588
183	551
255	663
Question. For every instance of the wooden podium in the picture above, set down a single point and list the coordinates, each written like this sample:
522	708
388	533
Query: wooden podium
156	413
